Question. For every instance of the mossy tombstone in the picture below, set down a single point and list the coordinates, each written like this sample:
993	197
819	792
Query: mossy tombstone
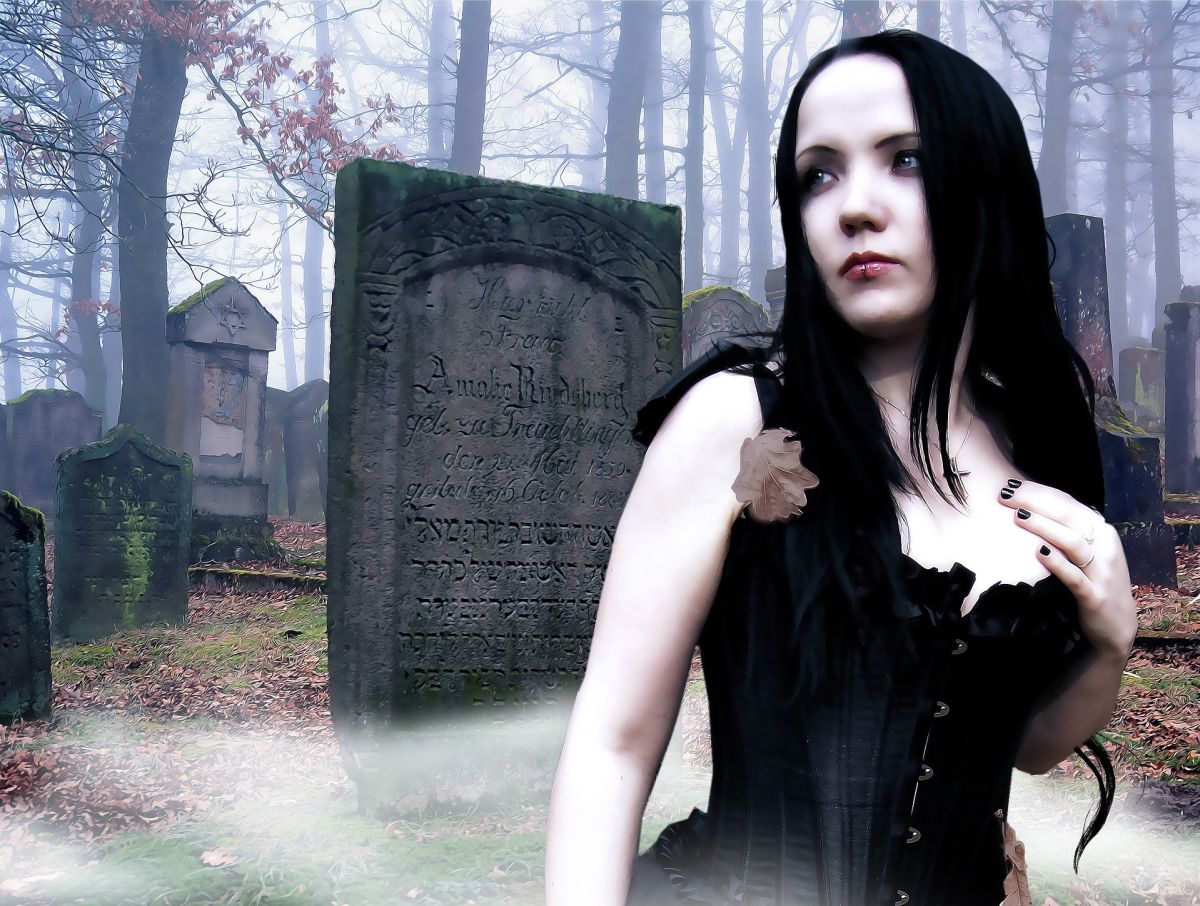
491	345
121	542
25	690
41	424
720	312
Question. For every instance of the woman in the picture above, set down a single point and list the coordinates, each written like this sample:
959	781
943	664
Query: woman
870	689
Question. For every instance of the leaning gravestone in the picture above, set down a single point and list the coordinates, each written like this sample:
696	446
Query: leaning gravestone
720	312
122	537
41	424
25	689
304	452
491	344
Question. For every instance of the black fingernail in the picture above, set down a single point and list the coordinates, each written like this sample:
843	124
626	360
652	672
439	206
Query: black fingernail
1014	482
1006	493
1045	551
1022	513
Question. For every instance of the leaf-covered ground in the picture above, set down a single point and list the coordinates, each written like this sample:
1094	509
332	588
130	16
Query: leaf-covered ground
198	765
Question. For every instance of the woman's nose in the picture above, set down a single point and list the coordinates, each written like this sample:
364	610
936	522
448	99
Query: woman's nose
860	205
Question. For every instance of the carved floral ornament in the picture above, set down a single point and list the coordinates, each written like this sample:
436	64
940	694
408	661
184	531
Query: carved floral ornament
772	483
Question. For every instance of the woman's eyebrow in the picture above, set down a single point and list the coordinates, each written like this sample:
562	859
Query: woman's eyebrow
890	140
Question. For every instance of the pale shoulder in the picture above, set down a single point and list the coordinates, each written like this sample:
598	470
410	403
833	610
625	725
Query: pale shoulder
696	454
720	409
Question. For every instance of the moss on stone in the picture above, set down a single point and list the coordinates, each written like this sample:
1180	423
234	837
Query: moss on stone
50	392
200	295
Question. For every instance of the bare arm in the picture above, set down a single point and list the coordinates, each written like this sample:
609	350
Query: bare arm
662	574
1083	708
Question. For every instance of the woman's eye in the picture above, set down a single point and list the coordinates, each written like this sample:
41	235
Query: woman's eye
810	178
911	154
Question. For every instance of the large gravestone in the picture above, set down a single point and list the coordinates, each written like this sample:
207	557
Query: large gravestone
219	339
491	344
1133	477
121	541
41	424
304	451
721	312
25	688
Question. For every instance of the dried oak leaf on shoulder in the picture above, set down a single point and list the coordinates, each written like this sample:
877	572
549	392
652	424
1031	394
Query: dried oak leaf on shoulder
772	483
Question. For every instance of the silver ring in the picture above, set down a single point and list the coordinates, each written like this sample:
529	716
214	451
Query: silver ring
1089	560
1090	537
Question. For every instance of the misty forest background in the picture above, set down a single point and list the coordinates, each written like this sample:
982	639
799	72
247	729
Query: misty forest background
151	147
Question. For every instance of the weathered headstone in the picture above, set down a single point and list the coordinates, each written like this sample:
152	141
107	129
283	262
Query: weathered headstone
220	338
25	687
305	453
721	312
41	424
491	344
274	464
1133	478
121	541
1142	373
775	290
1182	332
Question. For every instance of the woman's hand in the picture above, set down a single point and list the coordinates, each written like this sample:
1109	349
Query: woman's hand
1107	611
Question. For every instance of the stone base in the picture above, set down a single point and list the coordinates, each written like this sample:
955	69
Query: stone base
449	769
229	497
228	538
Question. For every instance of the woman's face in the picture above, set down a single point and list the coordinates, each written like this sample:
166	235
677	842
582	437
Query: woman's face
863	192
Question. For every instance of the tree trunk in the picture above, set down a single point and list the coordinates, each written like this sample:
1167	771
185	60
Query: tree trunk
317	196
758	144
693	159
859	17
285	292
652	113
111	343
8	314
81	110
731	155
958	26
591	169
470	97
142	227
929	18
437	87
1116	151
625	99
1167	279
1052	158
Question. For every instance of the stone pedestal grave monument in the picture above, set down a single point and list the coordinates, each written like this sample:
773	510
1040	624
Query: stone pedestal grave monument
25	688
121	542
720	312
491	344
41	424
1133	477
304	450
220	338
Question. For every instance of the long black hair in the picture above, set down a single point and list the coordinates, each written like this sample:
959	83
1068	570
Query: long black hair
990	247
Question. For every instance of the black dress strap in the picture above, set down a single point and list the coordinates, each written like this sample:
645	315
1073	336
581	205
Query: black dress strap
723	355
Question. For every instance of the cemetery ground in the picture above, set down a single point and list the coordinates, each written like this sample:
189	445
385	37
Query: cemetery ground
198	765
